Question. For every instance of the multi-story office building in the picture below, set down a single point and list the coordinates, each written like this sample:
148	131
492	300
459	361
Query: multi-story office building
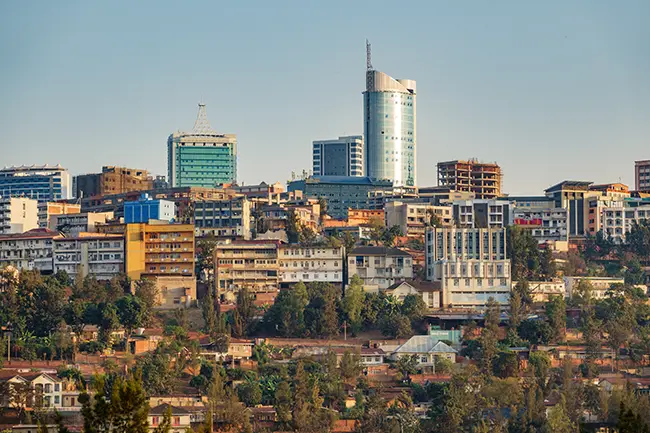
225	219
47	210
112	180
642	175
101	256
573	196
379	267
73	224
164	253
202	157
246	264
389	108
482	179
43	182
470	264
545	225
146	209
341	192
479	214
538	214
29	250
414	217
340	157
313	264
616	222
18	214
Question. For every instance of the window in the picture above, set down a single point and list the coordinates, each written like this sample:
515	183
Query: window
57	399
154	420
56	387
177	420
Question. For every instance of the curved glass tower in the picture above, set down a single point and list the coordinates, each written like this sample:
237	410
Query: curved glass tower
389	127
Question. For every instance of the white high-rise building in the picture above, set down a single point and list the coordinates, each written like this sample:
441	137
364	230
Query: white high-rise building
471	265
339	157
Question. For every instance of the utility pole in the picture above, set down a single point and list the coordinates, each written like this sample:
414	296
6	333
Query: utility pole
345	330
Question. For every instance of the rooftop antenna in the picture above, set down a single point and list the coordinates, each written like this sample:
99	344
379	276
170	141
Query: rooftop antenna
368	56
370	77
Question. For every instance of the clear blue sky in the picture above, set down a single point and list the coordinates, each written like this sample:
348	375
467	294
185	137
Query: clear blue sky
551	90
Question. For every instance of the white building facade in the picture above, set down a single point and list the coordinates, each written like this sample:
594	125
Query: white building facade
30	250
616	222
379	267
310	264
73	224
413	217
18	215
470	264
99	256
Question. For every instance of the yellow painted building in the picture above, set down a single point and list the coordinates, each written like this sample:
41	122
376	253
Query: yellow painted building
156	250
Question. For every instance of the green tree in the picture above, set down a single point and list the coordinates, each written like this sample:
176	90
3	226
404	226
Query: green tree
130	312
556	313
147	292
558	420
548	269
321	315
250	393
376	226
490	335
388	236
124	410
352	303
350	365
395	325
414	307
292	227
283	403
215	323
516	313
205	254
407	365
287	315
157	373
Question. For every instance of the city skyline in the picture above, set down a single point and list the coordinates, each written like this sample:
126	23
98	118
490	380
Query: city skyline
553	89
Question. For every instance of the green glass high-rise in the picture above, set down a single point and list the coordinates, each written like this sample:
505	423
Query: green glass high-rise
203	157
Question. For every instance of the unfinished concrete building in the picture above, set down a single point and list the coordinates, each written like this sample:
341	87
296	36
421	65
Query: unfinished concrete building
482	179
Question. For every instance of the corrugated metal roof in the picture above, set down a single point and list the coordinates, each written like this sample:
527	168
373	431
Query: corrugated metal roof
425	344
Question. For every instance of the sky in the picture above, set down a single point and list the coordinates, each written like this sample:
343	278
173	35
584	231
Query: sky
550	90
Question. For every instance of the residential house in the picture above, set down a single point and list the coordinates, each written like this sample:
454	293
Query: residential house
180	418
427	348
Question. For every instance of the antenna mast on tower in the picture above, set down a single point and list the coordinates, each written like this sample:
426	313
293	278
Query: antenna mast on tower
369	69
368	56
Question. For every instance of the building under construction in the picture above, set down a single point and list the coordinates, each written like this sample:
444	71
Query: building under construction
483	179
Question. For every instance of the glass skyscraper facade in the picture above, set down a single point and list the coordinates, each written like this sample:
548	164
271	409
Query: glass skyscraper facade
40	182
202	157
390	129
